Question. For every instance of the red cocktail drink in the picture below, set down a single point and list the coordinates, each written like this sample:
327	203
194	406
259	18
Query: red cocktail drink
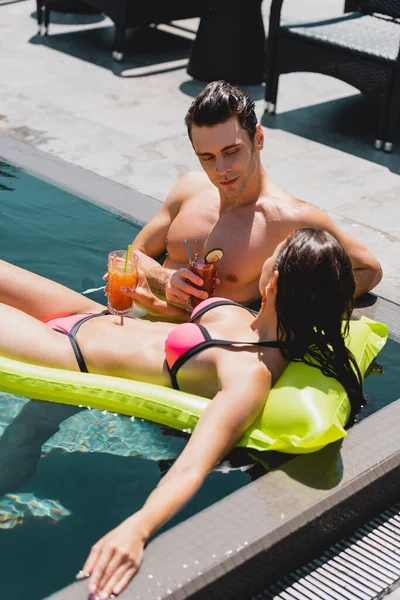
120	273
208	272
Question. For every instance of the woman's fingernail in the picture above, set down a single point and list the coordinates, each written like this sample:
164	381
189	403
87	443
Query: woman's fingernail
92	588
82	575
124	288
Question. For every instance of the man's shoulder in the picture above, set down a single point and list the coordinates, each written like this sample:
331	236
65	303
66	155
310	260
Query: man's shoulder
283	207
302	214
190	184
278	204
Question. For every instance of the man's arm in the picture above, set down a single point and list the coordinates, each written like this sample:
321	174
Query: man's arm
155	306
173	284
150	243
367	270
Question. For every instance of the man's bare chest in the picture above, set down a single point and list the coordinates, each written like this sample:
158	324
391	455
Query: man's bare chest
244	236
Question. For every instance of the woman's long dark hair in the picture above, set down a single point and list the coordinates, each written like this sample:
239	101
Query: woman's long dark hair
315	295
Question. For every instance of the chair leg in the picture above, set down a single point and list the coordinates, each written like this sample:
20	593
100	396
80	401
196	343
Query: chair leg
270	106
271	78
39	11
119	43
351	5
393	115
46	19
389	118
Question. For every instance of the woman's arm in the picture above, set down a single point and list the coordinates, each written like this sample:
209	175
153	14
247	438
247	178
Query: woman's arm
117	556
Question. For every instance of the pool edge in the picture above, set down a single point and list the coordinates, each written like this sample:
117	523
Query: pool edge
79	181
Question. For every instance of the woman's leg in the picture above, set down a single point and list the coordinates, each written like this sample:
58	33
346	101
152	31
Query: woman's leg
22	440
23	337
40	297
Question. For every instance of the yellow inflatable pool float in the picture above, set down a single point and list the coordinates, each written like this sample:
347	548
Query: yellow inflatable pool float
305	410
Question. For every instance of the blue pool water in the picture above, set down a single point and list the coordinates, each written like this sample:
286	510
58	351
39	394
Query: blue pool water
99	467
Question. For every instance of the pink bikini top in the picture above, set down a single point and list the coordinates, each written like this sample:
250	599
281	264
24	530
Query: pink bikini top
188	339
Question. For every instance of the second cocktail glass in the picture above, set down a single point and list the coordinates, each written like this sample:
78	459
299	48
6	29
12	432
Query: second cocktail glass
208	271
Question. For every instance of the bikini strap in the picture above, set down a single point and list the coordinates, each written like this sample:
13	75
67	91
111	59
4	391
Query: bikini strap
209	342
205	309
76	350
188	354
75	346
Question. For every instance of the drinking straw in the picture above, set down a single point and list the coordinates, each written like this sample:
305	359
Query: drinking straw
188	249
128	254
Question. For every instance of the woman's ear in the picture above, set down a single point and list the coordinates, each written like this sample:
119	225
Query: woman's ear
273	282
270	290
263	299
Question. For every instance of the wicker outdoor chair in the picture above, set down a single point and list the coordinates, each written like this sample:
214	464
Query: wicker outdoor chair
361	48
125	14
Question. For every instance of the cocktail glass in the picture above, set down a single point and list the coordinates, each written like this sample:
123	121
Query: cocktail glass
208	272
121	272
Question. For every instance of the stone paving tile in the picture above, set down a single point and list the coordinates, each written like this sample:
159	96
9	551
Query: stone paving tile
390	285
386	247
358	147
162	119
145	176
178	146
280	146
330	178
298	91
378	208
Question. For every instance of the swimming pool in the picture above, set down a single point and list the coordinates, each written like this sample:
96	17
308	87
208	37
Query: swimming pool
55	517
99	467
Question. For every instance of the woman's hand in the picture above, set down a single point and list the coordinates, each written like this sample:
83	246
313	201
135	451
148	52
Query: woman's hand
141	294
114	560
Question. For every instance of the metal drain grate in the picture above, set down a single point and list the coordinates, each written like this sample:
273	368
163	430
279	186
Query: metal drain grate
363	567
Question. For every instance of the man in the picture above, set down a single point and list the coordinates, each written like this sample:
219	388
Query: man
232	205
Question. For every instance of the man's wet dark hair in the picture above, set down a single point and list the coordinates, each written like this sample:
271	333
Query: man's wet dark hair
314	302
218	103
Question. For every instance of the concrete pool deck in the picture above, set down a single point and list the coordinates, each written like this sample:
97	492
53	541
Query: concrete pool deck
64	95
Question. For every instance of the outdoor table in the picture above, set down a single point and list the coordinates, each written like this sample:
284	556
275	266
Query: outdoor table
230	43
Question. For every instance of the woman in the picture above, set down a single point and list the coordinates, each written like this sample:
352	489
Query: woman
307	288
